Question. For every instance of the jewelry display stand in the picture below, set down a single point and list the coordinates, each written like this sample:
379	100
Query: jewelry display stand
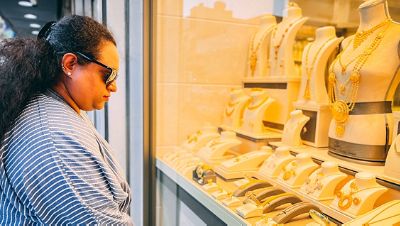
386	214
297	171
282	83
233	113
358	196
219	149
200	138
362	82
243	165
293	128
321	184
273	166
313	97
252	124
259	48
392	165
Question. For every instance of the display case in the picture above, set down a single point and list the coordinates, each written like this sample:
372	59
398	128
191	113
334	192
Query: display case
277	112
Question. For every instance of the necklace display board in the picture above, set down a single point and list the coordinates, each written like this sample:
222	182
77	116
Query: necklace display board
358	196
293	128
258	59
313	97
282	82
361	85
234	109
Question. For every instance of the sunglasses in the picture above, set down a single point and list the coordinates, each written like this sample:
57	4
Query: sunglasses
110	77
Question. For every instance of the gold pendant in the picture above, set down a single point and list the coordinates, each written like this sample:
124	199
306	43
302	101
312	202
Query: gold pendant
339	129
253	63
342	89
340	112
307	94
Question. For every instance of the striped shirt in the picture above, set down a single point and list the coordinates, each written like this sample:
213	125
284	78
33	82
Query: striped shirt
55	169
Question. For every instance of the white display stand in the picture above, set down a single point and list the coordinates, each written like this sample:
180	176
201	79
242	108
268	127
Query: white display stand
219	149
350	134
358	196
282	41
243	165
253	115
258	59
322	183
386	214
200	138
313	97
273	166
233	113
392	165
293	128
297	171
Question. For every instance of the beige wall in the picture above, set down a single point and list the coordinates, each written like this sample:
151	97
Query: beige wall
201	55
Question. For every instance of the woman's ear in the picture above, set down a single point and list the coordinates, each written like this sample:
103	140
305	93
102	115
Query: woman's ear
68	62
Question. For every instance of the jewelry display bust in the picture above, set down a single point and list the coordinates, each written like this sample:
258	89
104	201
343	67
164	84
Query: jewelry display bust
282	41
321	184
259	47
293	128
234	109
219	149
358	196
315	59
297	171
273	166
200	138
254	112
362	81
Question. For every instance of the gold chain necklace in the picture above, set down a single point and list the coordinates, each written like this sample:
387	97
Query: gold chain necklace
253	51
370	221
309	69
361	36
347	200
276	47
342	107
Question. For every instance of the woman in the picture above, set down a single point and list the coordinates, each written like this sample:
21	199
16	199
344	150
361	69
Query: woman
55	169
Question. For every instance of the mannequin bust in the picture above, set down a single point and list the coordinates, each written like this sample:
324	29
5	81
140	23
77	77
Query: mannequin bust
315	58
234	109
259	48
362	82
254	112
273	166
282	41
296	172
358	196
322	183
293	128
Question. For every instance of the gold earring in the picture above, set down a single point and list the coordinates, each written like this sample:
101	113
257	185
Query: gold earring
69	73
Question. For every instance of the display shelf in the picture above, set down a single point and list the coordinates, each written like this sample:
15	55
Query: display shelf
269	81
321	155
222	212
322	205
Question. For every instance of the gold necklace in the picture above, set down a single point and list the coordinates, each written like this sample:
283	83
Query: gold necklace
276	47
361	36
342	107
347	200
369	222
253	51
307	92
252	106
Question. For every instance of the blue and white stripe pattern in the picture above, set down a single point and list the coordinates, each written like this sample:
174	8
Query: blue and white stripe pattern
55	169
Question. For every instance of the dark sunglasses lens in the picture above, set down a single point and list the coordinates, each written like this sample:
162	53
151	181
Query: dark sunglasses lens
112	77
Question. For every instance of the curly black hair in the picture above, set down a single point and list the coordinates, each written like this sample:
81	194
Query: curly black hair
29	66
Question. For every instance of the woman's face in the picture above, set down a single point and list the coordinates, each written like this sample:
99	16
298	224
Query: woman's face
87	85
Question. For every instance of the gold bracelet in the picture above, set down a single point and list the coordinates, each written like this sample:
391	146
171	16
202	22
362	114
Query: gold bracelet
319	217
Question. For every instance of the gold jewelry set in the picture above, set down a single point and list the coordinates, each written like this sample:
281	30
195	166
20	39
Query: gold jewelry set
289	171
193	138
253	50
342	107
347	200
309	68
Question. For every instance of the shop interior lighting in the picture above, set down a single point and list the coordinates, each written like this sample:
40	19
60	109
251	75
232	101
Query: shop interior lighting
30	16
